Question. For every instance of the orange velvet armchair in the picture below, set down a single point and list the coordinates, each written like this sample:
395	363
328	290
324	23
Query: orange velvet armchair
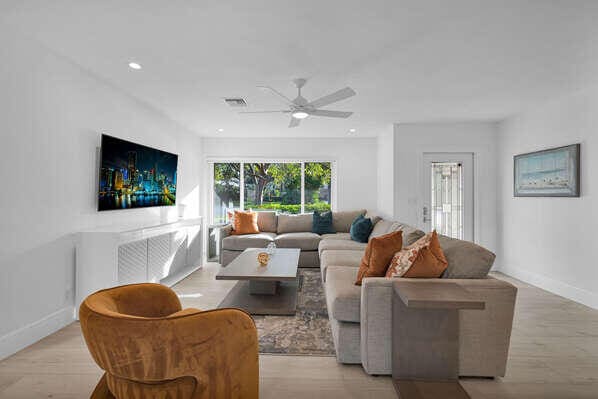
150	348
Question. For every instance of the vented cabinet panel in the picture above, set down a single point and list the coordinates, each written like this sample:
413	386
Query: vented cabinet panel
179	252
159	258
119	255
194	245
132	262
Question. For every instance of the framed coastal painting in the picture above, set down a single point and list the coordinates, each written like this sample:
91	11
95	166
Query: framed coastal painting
548	173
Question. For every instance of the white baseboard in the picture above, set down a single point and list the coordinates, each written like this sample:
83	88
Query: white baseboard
556	287
21	338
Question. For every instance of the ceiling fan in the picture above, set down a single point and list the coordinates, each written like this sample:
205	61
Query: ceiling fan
300	108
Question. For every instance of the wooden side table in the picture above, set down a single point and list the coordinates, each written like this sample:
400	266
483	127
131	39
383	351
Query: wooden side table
425	338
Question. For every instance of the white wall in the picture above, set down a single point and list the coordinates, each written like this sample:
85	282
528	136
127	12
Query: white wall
550	242
411	141
386	173
355	161
51	116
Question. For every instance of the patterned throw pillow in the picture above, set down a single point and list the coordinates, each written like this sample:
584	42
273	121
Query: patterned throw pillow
424	259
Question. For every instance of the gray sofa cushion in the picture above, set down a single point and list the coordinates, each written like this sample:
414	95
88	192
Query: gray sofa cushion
373	216
304	241
342	294
341	221
294	223
239	243
384	227
267	221
344	258
336	236
411	234
341	244
465	259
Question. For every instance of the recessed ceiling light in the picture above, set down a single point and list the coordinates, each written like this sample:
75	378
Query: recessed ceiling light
300	115
134	65
220	130
352	130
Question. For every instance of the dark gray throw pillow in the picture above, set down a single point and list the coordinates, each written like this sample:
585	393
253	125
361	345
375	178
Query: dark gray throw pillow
322	223
465	259
361	229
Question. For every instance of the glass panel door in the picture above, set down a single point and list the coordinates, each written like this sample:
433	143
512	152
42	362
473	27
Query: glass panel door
448	194
447	198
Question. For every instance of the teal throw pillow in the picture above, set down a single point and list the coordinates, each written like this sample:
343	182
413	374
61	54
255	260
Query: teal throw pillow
322	223
361	229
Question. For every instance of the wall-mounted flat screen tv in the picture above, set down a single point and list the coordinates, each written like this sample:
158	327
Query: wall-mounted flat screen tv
135	176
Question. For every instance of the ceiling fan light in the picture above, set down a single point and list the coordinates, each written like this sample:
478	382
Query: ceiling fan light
300	115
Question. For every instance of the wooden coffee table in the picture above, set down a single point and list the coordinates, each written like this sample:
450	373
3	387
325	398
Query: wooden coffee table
425	338
263	290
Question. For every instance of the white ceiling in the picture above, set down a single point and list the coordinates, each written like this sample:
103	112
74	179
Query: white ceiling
409	61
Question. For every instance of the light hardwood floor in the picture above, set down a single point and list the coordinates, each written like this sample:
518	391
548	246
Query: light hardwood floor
554	354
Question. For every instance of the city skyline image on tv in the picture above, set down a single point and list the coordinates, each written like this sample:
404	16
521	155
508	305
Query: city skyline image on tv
135	176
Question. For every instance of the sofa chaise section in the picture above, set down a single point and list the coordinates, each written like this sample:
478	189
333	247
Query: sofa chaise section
343	302
485	335
484	338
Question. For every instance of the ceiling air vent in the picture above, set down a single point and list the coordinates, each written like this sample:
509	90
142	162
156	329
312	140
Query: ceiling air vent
235	102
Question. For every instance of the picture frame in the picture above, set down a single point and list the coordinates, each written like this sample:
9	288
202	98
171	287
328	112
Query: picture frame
554	172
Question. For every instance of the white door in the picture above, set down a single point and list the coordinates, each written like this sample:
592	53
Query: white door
448	194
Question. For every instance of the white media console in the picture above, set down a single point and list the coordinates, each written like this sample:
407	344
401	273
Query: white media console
112	256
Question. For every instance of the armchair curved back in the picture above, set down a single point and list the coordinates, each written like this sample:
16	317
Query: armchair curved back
150	348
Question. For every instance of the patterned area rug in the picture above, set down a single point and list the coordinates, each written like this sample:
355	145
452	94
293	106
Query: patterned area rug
306	333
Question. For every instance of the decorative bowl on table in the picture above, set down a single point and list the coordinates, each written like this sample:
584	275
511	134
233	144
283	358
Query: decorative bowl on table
263	258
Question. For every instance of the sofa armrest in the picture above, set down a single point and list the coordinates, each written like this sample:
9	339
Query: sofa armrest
224	231
485	335
376	324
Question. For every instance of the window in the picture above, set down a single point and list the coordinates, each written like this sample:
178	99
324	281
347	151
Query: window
318	179
286	187
226	190
273	186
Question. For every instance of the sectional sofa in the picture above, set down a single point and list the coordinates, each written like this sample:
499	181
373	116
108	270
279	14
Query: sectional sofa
289	231
360	316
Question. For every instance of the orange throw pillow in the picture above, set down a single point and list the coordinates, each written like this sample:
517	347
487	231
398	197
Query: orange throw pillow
245	223
424	259
378	254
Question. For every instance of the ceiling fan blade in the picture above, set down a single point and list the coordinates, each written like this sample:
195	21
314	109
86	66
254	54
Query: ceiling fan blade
330	114
332	98
294	122
281	96
264	112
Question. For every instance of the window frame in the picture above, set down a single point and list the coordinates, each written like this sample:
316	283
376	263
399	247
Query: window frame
242	161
